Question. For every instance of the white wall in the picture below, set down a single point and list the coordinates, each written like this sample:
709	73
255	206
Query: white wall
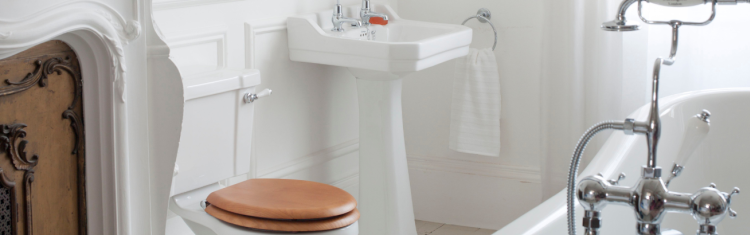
466	189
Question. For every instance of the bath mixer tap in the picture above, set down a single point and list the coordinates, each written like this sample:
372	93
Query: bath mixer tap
650	198
366	13
339	20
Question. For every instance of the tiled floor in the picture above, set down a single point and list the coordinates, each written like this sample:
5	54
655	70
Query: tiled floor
424	228
176	226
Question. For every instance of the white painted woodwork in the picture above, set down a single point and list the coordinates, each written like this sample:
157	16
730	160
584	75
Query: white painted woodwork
133	111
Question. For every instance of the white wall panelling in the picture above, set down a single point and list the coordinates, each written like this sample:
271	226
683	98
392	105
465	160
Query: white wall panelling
253	29
525	174
174	4
200	52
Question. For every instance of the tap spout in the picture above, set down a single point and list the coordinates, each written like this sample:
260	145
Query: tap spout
366	13
375	14
339	20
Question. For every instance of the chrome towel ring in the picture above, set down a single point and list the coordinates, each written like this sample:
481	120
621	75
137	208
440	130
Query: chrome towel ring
484	15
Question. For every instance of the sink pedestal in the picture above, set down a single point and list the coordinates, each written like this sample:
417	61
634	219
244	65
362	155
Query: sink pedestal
384	189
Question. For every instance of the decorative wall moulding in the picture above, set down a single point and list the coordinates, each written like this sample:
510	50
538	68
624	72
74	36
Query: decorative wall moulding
174	4
309	161
214	35
252	30
521	173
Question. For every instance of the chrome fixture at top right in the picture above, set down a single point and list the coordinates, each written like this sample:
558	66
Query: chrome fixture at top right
650	197
620	24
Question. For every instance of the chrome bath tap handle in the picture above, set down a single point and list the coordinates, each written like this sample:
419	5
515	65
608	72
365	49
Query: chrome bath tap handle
732	213
710	206
617	181
697	128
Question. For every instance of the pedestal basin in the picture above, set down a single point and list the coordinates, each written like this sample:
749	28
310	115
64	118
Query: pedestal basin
379	57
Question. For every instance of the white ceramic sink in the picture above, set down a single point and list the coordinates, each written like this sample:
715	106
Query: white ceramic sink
379	61
400	46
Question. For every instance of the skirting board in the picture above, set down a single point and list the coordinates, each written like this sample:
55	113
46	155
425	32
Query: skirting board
174	4
525	174
347	149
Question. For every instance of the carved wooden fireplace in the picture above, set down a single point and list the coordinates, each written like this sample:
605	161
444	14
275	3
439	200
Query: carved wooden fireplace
77	155
42	146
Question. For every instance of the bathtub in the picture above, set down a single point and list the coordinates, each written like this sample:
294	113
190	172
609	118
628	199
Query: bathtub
723	158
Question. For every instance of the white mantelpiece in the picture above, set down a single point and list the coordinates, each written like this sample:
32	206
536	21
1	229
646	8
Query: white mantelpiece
133	108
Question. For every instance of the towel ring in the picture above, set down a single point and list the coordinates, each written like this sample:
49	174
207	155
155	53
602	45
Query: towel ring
484	15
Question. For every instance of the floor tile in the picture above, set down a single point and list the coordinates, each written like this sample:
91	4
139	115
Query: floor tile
454	230
424	227
484	232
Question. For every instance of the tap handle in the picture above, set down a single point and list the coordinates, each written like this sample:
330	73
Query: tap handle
732	213
617	181
249	98
697	129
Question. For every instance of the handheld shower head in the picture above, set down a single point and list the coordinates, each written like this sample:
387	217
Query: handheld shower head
619	26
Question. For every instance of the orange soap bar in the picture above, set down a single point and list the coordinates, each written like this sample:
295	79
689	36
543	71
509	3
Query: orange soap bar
378	20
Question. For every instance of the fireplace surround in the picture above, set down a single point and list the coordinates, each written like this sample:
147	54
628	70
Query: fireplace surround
134	107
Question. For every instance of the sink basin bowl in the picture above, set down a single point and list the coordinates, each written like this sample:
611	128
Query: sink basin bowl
402	46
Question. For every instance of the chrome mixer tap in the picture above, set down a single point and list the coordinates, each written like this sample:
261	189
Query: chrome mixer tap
650	197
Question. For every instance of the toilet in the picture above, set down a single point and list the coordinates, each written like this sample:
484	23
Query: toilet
217	147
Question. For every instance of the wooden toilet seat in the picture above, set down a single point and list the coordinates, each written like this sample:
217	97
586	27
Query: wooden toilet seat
291	226
283	205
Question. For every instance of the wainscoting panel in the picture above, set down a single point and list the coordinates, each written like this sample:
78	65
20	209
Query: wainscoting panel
472	194
525	174
174	4
198	53
253	29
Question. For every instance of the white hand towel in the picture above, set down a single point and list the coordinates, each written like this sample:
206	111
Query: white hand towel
475	112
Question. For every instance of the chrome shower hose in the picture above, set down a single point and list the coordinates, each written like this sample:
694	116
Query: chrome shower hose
574	163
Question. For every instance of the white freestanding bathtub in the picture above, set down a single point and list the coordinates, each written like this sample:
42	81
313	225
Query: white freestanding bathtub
723	158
